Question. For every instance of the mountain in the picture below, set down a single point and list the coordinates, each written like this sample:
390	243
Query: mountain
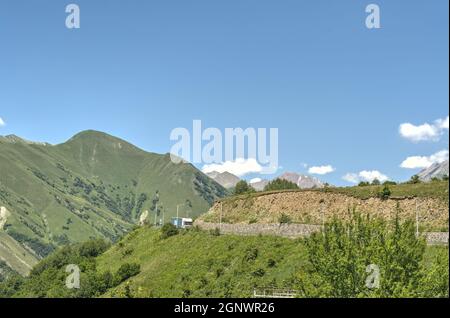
225	179
92	186
303	181
259	185
436	170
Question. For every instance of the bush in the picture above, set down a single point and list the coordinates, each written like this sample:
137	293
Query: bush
363	184
284	219
168	230
215	232
280	184
126	271
385	193
376	182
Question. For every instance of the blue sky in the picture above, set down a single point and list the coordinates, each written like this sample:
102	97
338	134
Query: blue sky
337	91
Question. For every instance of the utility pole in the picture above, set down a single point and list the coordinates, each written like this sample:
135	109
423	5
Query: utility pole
220	218
417	219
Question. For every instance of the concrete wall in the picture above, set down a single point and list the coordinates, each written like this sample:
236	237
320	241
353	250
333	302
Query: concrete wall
292	230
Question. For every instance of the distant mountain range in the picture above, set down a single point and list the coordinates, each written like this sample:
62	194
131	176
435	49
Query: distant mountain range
225	179
94	185
229	180
437	170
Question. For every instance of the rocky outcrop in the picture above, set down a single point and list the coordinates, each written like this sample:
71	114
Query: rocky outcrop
315	207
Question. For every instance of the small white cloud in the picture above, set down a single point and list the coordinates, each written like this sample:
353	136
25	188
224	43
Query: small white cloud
240	167
365	175
2	122
255	180
372	175
416	162
351	177
424	132
321	170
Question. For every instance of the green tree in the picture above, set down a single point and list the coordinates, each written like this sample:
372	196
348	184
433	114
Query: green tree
376	182
243	187
280	184
346	253
414	179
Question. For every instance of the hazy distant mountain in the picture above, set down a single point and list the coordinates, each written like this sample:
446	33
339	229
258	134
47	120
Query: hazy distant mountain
303	181
436	170
259	185
225	179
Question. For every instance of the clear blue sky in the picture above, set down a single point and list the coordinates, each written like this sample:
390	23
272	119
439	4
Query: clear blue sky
336	90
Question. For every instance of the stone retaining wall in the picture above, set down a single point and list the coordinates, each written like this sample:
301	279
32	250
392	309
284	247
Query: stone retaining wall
292	230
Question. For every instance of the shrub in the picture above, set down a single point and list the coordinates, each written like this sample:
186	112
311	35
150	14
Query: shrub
251	254
168	230
385	193
284	219
215	232
126	271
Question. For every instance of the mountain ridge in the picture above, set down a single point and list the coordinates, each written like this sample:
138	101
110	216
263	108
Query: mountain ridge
94	185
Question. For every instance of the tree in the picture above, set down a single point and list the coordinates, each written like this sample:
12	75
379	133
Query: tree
376	182
363	184
414	179
280	184
349	257
243	187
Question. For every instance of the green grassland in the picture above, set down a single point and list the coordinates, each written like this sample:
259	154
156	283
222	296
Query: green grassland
198	264
192	263
433	189
92	186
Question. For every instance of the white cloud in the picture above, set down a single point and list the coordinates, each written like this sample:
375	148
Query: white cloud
424	132
2	122
372	175
321	170
416	162
351	177
365	175
255	180
240	167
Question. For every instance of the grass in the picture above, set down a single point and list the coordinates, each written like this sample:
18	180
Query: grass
434	189
198	264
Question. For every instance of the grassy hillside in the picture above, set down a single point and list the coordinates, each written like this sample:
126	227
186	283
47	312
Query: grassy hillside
201	264
198	264
92	186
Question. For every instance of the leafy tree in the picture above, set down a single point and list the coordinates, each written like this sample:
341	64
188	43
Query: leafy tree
280	184
376	182
389	183
363	184
346	253
414	179
243	187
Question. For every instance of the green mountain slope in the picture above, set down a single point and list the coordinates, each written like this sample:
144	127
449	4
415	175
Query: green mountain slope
92	186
